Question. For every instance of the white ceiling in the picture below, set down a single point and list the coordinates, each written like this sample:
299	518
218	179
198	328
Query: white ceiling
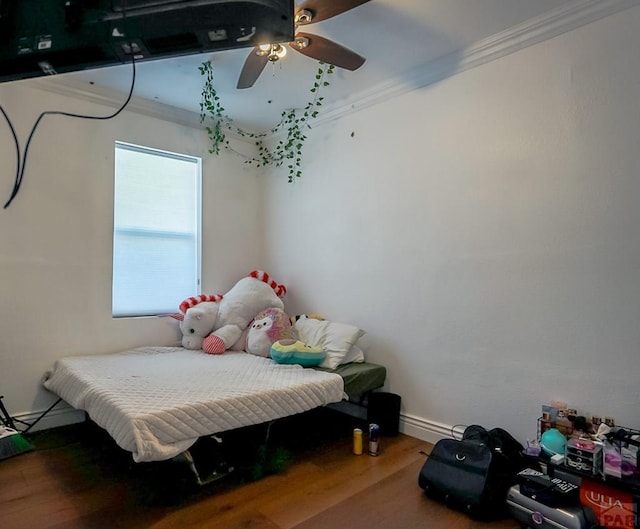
401	39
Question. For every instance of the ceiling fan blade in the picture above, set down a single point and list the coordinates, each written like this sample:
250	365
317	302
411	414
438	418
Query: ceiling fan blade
252	69
324	9
326	50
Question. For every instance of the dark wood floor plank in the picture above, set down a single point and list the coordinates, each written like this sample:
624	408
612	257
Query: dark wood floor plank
343	476
395	501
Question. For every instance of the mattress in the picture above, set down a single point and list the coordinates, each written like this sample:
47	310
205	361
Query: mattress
157	401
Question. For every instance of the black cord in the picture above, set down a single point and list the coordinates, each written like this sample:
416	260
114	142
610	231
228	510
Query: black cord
6	419
21	166
20	169
15	138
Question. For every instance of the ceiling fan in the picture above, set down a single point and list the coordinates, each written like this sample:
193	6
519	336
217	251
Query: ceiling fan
313	46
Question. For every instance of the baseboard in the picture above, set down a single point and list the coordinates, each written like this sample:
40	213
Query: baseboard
424	429
61	415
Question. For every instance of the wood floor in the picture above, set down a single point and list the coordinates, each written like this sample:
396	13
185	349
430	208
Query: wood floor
78	479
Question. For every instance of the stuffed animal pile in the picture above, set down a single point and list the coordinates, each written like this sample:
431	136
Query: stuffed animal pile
217	323
250	317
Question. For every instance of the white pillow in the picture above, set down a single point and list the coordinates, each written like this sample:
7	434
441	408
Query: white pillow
336	339
355	356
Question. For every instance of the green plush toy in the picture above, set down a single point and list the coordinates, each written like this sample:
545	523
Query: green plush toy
296	352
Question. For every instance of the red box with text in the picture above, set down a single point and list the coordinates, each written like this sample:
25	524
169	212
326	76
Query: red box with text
614	508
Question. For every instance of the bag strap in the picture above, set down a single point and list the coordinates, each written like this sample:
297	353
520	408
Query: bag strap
457	431
503	440
476	432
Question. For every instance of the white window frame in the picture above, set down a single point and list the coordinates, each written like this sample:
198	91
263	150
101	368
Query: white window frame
172	304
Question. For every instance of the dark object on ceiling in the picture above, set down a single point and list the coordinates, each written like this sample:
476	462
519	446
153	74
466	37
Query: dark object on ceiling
40	37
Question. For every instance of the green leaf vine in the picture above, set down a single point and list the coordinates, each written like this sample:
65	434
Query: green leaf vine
287	151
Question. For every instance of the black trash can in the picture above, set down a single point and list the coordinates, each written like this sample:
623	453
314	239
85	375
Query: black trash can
384	410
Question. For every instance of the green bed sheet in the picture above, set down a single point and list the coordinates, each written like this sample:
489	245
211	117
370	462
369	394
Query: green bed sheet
359	378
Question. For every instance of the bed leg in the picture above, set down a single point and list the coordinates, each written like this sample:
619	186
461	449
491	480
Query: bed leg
186	455
213	475
268	434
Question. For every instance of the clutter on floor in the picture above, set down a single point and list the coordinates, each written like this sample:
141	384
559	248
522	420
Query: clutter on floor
12	442
474	473
580	472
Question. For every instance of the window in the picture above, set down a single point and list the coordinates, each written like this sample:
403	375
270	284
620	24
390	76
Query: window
156	230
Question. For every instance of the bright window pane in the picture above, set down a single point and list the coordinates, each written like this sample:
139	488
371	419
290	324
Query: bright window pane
156	242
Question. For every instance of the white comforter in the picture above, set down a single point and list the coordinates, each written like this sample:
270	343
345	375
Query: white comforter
156	401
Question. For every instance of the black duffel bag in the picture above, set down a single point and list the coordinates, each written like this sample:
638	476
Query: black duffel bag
475	473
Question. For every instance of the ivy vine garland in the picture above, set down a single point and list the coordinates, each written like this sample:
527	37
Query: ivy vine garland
287	151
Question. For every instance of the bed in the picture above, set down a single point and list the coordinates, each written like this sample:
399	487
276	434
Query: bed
157	401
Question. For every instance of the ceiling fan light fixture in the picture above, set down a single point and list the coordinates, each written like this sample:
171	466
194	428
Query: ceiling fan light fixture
279	50
304	16
273	52
263	49
308	44
300	43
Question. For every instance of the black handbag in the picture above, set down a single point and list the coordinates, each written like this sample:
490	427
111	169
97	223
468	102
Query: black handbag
472	475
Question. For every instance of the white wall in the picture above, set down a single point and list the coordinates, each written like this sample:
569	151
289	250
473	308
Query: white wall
56	237
484	231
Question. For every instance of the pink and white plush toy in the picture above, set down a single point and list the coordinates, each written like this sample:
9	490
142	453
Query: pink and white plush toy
216	325
268	327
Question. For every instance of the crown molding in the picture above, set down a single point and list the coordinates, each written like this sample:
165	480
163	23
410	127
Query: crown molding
111	98
567	18
549	25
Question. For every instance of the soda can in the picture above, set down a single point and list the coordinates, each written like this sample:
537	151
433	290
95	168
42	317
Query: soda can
374	439
357	441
